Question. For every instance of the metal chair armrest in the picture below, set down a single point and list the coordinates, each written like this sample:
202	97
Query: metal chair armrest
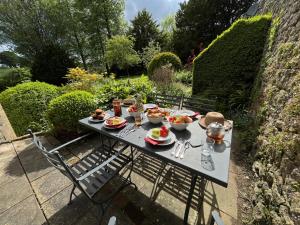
70	142
216	218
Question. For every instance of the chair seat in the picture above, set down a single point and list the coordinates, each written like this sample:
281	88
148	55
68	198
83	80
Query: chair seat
99	178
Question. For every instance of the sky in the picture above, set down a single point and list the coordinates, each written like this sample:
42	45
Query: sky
158	8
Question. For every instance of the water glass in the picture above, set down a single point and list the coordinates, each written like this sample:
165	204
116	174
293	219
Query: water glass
208	147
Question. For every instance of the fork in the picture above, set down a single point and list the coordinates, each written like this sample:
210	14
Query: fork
181	145
186	147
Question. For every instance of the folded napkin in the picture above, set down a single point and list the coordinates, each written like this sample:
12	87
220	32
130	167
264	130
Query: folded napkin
151	141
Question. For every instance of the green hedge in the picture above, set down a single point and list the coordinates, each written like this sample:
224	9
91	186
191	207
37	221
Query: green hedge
25	105
162	59
228	66
65	111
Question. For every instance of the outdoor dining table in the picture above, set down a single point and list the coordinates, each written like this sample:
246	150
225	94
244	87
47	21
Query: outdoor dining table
192	157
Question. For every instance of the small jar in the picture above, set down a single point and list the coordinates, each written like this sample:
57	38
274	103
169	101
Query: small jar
117	107
216	131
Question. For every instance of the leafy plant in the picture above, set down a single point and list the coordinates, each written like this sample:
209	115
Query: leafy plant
80	79
14	76
162	59
25	105
149	52
124	88
120	52
184	76
65	111
229	65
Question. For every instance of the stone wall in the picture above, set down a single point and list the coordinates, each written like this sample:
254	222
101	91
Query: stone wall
276	105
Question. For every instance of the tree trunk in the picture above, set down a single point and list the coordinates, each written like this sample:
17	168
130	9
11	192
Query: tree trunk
80	51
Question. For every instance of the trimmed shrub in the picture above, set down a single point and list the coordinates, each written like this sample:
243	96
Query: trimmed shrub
25	105
163	59
65	111
229	65
14	76
51	64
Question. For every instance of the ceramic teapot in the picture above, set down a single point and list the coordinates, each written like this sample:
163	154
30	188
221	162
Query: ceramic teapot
216	131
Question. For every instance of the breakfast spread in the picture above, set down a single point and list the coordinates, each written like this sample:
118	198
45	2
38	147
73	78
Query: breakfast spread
99	114
157	112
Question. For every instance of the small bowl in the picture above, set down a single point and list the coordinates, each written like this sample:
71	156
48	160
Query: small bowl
179	126
155	120
134	114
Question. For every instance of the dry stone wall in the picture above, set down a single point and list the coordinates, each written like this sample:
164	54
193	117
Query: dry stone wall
276	104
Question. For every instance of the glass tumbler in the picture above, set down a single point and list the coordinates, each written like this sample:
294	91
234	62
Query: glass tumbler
208	147
117	107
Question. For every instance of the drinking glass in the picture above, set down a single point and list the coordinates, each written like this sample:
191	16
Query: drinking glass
117	107
138	119
208	147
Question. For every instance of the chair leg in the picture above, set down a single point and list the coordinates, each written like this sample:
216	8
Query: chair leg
71	194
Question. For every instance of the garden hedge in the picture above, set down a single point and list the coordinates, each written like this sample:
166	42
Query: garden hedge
25	105
65	111
228	66
162	59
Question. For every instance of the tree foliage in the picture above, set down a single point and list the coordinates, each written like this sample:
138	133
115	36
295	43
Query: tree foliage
202	20
149	52
120	52
144	30
51	64
8	58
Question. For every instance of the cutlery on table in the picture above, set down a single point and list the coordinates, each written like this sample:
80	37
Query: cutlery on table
186	146
181	145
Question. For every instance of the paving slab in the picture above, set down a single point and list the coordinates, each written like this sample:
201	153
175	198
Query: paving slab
14	192
58	212
26	212
47	186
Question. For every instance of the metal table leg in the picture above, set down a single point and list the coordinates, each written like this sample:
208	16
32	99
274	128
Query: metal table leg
189	200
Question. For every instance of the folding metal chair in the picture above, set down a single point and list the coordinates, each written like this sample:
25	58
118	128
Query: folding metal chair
215	219
167	101
201	105
91	172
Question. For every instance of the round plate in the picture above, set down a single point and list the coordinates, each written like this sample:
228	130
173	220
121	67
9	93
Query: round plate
122	121
98	121
169	141
114	128
184	112
160	138
149	106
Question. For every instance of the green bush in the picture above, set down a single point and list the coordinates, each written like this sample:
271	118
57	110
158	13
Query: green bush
229	65
25	105
124	88
184	76
65	111
162	59
14	76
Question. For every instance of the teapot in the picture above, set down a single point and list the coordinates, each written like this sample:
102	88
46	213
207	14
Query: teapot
216	131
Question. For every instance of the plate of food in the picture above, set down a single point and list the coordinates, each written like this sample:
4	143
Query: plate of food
149	106
157	115
115	122
184	112
180	122
98	116
160	136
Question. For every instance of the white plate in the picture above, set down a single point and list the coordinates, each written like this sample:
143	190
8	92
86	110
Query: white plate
98	121
106	124
113	128
184	113
149	106
160	138
170	141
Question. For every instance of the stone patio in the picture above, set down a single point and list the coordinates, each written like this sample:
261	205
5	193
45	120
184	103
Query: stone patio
32	192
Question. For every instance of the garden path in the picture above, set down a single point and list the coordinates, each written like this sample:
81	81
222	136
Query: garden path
33	192
6	131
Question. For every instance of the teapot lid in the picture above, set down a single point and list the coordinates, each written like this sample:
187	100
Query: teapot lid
215	125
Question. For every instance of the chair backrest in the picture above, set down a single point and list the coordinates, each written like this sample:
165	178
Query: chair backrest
54	158
201	105
167	100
